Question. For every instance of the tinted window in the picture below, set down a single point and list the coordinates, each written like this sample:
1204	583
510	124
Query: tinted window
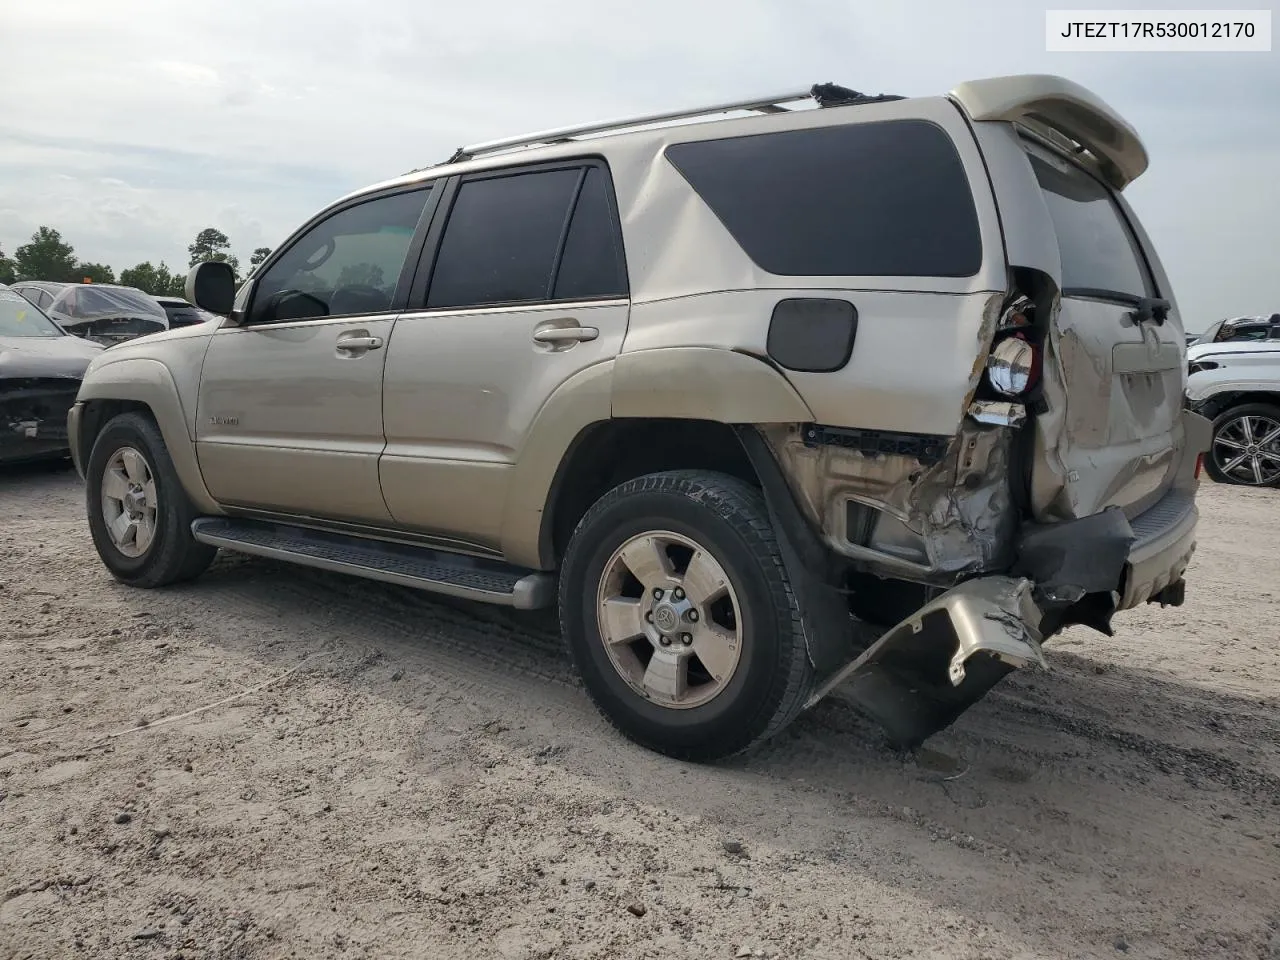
871	199
501	241
591	265
1097	248
348	264
181	315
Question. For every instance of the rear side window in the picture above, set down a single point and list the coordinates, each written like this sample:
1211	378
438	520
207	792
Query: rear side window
591	266
873	199
1098	250
529	237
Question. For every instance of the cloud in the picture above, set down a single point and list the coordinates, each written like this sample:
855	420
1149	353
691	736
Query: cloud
262	111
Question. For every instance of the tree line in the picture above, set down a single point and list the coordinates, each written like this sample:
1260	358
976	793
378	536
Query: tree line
48	257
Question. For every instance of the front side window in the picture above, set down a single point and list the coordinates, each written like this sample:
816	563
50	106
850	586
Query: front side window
21	318
346	265
1098	250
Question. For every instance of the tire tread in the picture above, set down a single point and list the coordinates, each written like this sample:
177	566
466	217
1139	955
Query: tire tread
743	507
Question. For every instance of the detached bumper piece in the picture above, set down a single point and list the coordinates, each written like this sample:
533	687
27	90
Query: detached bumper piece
921	675
33	416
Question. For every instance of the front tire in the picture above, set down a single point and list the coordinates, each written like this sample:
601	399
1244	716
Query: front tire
680	617
139	515
1245	448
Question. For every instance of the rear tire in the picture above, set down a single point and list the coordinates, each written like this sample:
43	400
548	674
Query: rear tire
715	663
1232	430
139	514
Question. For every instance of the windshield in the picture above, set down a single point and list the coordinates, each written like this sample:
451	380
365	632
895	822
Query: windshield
87	301
19	318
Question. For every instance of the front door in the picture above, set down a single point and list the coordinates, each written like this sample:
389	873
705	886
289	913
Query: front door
289	417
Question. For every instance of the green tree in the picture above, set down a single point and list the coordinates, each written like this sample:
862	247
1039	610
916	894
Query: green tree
157	281
96	273
259	254
212	244
142	276
8	270
46	257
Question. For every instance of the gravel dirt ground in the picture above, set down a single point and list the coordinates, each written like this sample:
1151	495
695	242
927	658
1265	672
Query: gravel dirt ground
378	774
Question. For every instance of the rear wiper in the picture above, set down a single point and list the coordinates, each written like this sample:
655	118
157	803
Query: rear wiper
1146	308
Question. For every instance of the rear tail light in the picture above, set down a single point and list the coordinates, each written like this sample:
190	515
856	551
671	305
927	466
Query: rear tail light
1199	464
1013	365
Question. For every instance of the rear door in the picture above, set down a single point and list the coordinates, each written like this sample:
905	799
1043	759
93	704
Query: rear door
527	288
1113	434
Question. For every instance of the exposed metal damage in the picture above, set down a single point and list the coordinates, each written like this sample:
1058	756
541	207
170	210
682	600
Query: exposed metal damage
897	515
926	671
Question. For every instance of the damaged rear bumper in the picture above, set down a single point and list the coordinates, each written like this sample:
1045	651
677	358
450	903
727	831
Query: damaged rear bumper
925	672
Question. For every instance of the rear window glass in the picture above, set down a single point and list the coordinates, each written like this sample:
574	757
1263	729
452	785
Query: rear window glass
871	199
1098	249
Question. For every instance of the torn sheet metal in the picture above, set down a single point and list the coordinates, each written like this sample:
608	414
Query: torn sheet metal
933	523
934	514
922	674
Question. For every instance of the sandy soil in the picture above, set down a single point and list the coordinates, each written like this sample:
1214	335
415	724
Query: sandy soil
424	780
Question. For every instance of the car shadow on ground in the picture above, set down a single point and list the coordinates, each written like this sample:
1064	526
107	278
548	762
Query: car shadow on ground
22	473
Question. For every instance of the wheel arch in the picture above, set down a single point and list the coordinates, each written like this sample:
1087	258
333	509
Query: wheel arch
1219	403
607	453
145	386
642	394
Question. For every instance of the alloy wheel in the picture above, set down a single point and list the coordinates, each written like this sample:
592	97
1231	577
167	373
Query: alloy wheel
129	502
669	619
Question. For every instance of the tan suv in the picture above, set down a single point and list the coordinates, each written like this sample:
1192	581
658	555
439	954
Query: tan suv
844	389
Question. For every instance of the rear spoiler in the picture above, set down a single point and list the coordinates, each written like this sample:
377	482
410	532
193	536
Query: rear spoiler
1064	113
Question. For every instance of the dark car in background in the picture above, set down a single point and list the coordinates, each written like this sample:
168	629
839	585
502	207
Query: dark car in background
181	313
40	371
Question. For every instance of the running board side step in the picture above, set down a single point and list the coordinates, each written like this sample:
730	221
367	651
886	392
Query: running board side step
437	571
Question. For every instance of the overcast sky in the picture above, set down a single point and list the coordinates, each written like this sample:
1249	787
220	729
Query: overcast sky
130	125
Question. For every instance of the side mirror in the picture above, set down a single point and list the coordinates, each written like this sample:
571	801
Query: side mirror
212	286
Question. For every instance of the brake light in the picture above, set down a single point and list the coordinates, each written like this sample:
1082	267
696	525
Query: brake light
1013	366
1199	464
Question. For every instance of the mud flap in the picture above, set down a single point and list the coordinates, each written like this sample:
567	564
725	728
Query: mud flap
930	668
829	629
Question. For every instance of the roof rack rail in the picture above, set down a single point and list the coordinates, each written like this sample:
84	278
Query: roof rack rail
825	94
